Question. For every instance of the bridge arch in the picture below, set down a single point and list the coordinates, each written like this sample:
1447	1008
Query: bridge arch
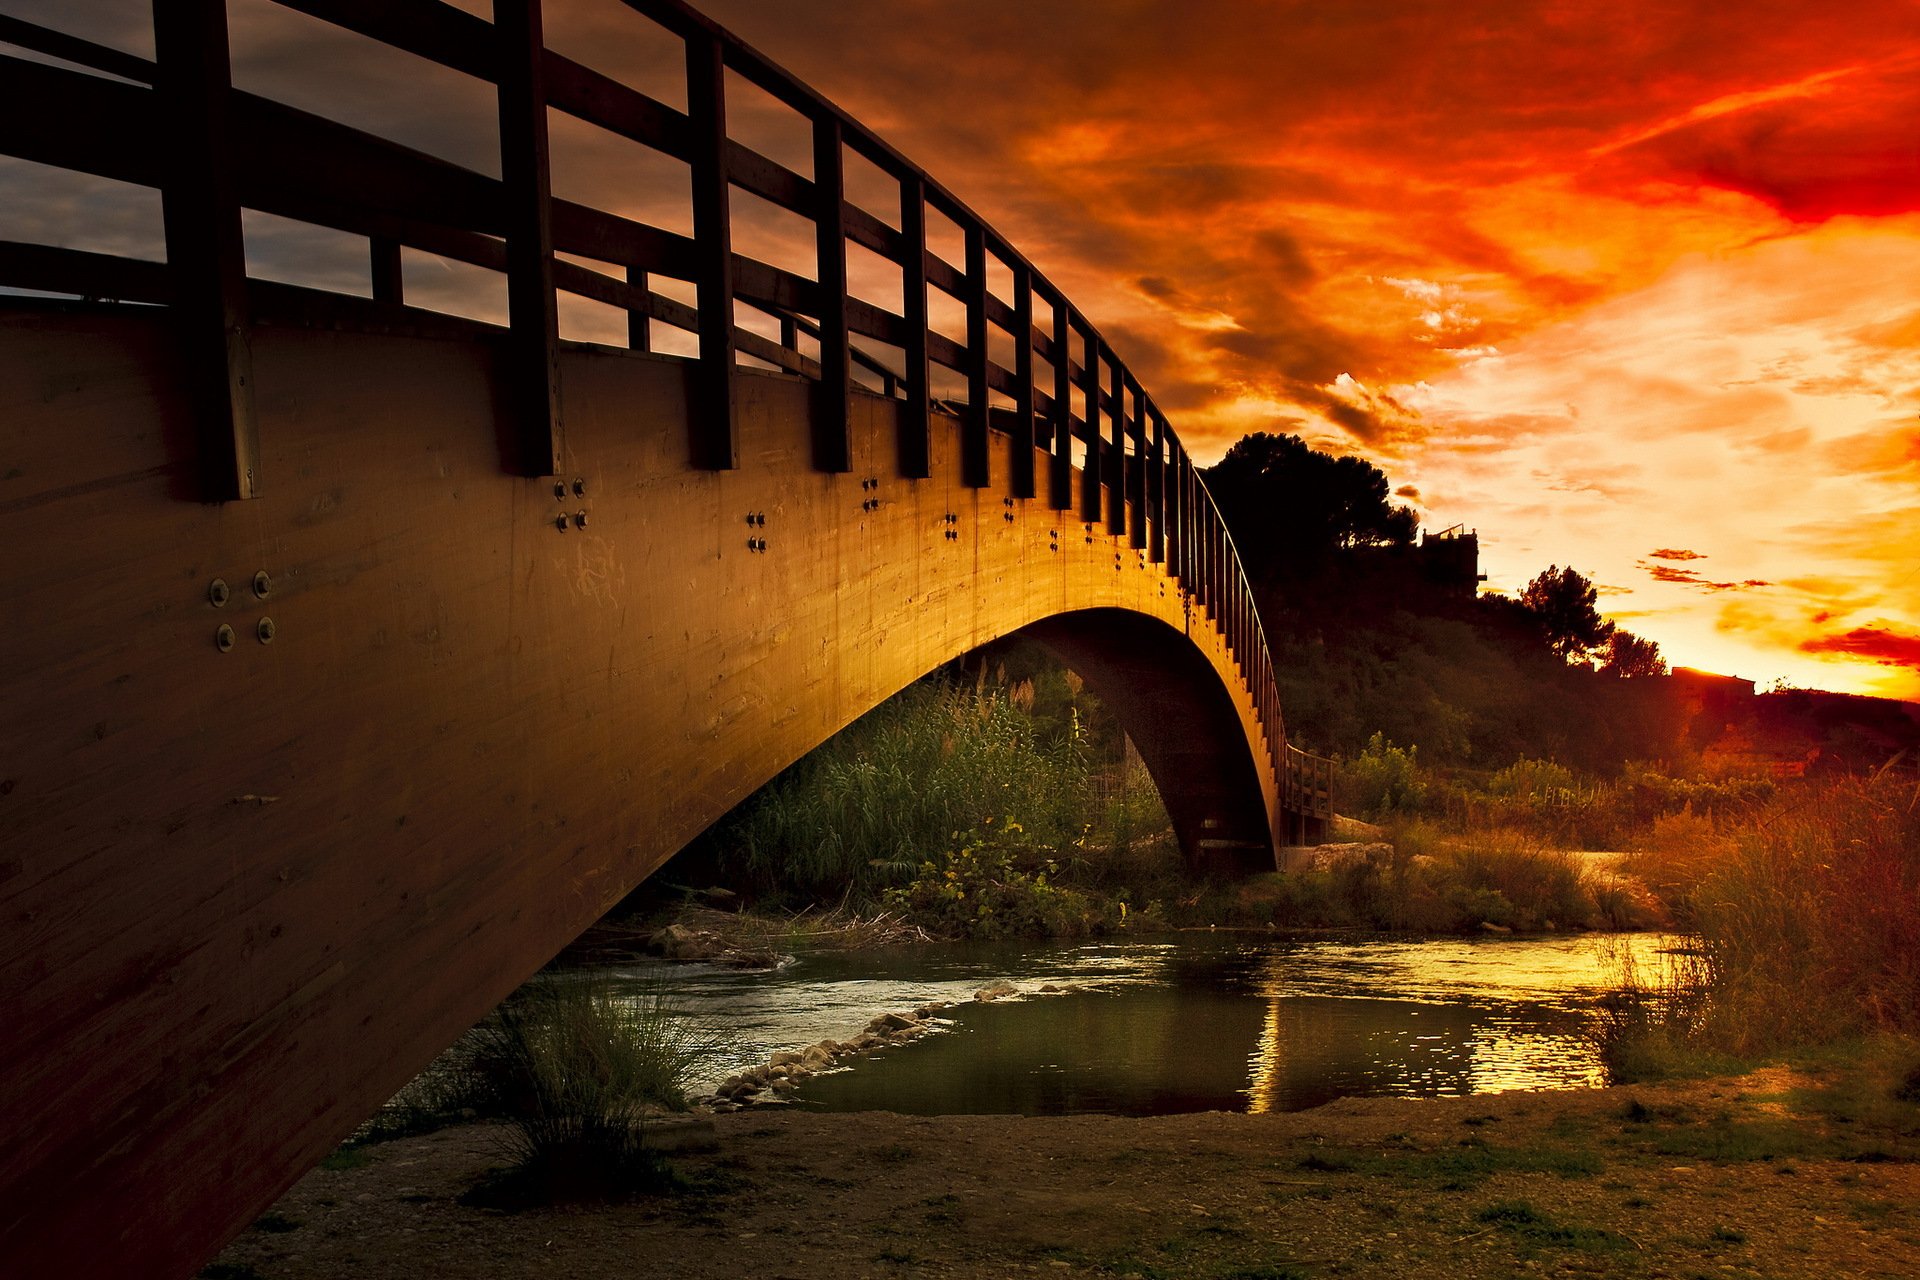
469	629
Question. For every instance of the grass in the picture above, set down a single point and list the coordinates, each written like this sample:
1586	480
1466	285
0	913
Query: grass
1519	1219
1805	934
580	1070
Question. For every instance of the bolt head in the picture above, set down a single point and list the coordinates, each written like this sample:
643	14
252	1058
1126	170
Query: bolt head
218	593
560	522
579	519
223	638
264	630
262	585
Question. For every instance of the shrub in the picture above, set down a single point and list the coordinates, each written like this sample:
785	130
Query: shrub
997	884
1381	780
579	1069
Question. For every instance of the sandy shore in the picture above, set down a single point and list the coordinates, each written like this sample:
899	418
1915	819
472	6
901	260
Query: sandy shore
1744	1177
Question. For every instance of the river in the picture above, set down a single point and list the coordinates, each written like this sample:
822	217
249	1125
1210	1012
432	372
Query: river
1196	1022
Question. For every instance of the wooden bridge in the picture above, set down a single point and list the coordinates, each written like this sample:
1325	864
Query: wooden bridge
358	655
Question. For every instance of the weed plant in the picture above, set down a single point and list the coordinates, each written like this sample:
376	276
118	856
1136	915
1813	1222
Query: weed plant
862	812
580	1069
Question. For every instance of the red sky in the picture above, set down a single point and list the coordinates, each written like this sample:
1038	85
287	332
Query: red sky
1625	286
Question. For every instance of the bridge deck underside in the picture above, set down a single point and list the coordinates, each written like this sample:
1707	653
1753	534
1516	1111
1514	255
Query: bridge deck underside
249	892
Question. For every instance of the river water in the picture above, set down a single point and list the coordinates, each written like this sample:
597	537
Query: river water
1196	1022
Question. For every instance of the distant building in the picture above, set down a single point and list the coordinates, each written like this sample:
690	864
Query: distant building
1444	565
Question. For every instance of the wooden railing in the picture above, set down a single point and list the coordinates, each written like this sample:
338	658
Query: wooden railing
177	124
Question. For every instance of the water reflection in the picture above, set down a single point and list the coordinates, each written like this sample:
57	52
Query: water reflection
1209	1022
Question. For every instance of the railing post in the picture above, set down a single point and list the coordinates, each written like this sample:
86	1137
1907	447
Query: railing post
389	282
832	432
1157	493
1116	468
915	453
1137	467
1020	482
1060	469
639	312
206	254
533	317
713	437
976	467
1091	478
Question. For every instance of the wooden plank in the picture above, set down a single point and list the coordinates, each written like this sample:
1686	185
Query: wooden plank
832	439
28	35
1157	493
1021	481
1137	465
639	318
91	275
1091	485
1115	473
1060	463
915	459
712	431
389	282
533	317
206	252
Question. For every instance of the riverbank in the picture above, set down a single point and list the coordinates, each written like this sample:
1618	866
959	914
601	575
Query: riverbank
1788	1173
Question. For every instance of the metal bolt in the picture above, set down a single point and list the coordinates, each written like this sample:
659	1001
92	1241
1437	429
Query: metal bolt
560	522
265	630
223	638
217	593
579	487
579	519
262	585
560	490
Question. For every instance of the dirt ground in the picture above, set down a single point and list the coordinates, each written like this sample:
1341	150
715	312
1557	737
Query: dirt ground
1747	1177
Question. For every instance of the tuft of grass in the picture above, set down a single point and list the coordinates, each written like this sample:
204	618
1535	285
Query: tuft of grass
1521	1220
579	1069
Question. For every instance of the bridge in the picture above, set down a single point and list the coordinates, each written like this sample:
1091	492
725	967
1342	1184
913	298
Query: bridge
359	654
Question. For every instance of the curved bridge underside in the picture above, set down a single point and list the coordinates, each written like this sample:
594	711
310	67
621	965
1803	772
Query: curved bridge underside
249	891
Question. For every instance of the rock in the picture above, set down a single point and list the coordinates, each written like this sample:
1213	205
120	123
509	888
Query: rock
783	1086
928	1010
750	959
723	898
887	1022
673	942
816	1057
1489	926
995	990
1061	988
828	1047
784	1059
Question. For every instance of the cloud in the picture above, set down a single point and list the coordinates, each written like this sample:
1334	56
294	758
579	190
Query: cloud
1688	577
1881	644
1675	553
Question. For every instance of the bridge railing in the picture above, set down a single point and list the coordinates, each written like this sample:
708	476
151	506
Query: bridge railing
176	123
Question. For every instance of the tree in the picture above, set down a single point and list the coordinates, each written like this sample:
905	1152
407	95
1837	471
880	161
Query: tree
1289	503
1629	655
1562	601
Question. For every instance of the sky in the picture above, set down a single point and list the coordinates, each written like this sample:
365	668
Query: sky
1625	286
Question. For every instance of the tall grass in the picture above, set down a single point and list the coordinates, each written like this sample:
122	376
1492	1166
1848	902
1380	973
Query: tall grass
1807	923
580	1069
863	811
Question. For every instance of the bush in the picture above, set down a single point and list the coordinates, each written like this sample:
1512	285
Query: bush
1381	780
998	884
579	1069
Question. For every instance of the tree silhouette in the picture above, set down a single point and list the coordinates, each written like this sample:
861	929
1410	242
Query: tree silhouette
1562	601
1629	655
1282	498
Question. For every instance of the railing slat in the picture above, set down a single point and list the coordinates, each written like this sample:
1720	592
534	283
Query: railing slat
976	467
711	429
1116	469
915	453
832	407
1060	464
1091	480
532	311
206	252
1021	481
